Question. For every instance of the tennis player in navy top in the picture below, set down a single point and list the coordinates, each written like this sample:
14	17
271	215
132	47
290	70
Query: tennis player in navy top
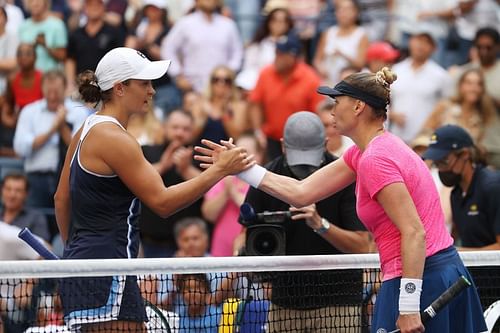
105	176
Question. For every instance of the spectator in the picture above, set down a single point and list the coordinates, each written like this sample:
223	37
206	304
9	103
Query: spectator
471	108
146	128
44	128
375	18
487	43
470	17
197	312
380	55
283	88
191	235
14	14
173	161
47	32
221	205
88	44
23	87
8	47
262	49
421	84
336	144
15	189
202	32
430	16
330	226
341	45
153	27
221	114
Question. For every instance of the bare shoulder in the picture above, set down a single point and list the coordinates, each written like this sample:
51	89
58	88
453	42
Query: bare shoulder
108	138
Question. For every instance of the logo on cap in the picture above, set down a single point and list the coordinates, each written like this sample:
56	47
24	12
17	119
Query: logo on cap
141	54
433	139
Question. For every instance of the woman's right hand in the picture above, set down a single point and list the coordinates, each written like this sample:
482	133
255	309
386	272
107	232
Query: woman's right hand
228	157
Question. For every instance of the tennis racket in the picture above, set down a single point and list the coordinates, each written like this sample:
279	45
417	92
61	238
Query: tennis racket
431	311
157	322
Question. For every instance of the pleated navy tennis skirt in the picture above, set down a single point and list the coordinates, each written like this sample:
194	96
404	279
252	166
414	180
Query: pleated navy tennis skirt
463	314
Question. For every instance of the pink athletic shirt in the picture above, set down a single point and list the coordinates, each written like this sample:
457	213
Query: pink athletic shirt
386	160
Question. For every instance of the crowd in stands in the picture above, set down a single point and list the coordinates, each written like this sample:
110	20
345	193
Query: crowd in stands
238	69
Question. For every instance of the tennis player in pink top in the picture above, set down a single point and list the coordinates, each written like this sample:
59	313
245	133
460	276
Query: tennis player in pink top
396	200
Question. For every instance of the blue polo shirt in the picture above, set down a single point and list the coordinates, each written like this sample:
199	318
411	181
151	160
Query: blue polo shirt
477	214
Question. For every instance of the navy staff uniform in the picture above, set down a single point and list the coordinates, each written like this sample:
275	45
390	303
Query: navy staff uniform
477	214
104	224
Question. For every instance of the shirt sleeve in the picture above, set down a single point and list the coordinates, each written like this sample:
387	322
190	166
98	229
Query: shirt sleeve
235	49
257	94
171	48
377	171
24	135
348	156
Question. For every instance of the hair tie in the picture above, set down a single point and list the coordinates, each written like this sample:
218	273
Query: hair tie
94	83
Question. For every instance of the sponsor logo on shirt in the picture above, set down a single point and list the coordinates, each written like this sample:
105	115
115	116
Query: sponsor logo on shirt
473	210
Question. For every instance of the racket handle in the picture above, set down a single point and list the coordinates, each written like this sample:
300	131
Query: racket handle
38	246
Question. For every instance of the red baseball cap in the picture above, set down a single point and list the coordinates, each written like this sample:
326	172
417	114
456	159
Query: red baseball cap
381	51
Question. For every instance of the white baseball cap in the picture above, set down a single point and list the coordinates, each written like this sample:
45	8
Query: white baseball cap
123	63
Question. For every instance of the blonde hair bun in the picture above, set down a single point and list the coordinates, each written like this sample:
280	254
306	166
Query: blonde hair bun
386	77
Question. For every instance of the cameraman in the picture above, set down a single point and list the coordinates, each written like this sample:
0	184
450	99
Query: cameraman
317	301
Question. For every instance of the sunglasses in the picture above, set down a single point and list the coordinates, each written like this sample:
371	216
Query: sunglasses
226	80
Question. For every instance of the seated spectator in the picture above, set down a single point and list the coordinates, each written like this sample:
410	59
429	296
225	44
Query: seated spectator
262	49
197	313
222	114
221	205
15	190
174	162
43	131
146	128
472	108
47	32
23	87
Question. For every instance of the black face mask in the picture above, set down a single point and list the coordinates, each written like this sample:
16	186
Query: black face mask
450	178
302	171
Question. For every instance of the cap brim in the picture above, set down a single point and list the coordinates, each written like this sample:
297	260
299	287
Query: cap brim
324	90
304	157
435	154
154	70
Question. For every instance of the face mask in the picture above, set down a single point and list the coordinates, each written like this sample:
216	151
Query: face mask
450	178
302	171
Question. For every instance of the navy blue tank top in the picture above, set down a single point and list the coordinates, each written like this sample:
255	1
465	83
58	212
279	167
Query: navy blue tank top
104	212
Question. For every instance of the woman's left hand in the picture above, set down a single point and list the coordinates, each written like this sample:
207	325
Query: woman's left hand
309	213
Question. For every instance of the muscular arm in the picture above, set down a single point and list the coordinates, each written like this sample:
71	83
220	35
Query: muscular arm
127	161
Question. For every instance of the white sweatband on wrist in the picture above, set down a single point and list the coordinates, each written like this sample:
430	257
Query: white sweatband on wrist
253	176
409	295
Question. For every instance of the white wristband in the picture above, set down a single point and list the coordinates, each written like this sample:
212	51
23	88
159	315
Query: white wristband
252	176
409	295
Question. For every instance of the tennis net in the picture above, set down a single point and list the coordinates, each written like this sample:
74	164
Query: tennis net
219	295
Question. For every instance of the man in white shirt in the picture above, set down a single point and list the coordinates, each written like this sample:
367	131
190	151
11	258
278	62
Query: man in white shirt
44	128
420	85
199	42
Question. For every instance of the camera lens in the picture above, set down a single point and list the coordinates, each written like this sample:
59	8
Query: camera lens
266	241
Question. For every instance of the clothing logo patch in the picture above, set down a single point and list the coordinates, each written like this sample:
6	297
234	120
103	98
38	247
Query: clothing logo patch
473	210
433	139
410	287
381	330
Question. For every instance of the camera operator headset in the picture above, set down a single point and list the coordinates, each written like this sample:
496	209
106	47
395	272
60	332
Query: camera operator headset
330	226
